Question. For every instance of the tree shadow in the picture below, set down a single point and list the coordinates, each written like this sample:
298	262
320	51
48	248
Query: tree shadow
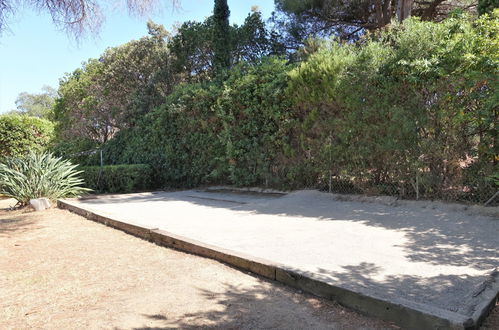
264	307
15	223
439	236
456	293
434	237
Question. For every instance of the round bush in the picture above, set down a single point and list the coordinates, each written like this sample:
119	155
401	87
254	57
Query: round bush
21	134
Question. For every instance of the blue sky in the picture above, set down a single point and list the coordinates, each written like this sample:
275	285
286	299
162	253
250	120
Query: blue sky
34	53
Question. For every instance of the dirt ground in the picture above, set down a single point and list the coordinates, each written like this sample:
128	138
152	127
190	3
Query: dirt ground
61	271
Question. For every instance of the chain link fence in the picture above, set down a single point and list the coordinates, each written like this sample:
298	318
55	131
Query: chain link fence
460	183
415	189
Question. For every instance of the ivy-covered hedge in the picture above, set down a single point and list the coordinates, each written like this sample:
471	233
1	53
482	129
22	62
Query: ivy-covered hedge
20	134
117	178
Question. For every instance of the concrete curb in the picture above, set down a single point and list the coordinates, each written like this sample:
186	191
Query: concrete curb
404	313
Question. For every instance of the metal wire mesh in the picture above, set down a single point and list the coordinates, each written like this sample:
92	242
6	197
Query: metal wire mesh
464	185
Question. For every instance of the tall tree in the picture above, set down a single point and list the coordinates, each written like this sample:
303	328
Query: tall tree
116	90
347	19
192	47
38	104
221	35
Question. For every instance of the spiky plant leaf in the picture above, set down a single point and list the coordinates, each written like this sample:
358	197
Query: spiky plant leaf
39	175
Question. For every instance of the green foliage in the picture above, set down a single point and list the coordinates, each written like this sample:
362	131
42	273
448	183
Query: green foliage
118	178
81	151
117	91
384	115
39	175
211	132
36	105
186	128
192	48
76	110
221	36
392	112
253	112
253	40
22	134
349	19
487	6
111	93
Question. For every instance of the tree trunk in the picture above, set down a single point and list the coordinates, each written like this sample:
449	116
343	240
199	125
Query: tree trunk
383	12
387	11
379	13
404	8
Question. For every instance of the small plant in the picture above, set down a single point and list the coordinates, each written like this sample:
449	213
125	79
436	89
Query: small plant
39	175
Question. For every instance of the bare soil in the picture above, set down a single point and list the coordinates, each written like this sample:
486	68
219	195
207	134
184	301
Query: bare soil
61	271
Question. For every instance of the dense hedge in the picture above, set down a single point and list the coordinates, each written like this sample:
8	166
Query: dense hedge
213	132
411	111
117	178
20	134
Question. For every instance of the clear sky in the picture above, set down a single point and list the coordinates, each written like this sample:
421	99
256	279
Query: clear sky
34	53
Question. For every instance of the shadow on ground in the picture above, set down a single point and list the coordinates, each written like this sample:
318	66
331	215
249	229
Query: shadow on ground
258	308
10	224
440	237
436	236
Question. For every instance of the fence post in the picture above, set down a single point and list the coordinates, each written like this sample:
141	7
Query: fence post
417	185
330	163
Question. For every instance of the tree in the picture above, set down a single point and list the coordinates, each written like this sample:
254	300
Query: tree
127	82
299	19
37	105
254	40
421	116
75	16
141	69
221	35
114	91
191	51
192	48
20	135
77	110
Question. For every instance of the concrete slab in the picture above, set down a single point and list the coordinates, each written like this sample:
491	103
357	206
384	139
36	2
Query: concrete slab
415	264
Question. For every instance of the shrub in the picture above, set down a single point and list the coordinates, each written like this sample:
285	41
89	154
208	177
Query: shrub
39	175
412	106
186	131
21	134
254	111
79	150
213	132
118	178
410	110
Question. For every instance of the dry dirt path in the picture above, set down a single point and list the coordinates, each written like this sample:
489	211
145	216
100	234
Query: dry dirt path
61	271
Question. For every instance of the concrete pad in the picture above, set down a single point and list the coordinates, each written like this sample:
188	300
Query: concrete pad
415	264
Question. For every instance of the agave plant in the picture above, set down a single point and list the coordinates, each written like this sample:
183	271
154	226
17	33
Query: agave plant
39	175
